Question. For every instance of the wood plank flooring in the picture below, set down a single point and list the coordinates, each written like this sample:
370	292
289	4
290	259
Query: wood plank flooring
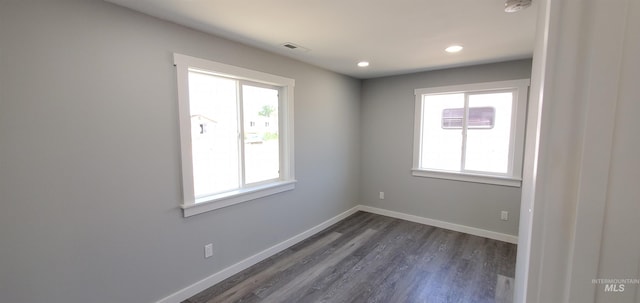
373	258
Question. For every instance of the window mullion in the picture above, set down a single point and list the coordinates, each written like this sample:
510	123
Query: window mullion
281	146
514	129
241	164
464	132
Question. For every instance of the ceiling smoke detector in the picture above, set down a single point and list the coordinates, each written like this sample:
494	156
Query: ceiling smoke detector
512	6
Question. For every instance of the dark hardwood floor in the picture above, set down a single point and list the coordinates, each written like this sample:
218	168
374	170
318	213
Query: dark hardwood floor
373	258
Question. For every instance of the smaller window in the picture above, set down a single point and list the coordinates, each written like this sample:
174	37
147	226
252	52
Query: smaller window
471	132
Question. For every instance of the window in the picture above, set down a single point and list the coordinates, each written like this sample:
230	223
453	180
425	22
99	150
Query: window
228	158
471	132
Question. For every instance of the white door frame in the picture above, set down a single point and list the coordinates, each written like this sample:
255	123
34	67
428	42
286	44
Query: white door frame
576	70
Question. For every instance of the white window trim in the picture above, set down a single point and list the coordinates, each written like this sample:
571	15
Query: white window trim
516	149
190	204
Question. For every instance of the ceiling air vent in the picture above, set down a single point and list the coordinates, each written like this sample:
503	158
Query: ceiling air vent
512	6
295	47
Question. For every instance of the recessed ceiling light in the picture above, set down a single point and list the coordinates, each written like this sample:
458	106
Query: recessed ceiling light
363	64
453	49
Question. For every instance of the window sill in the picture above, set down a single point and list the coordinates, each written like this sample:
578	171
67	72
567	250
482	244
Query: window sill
218	201
466	177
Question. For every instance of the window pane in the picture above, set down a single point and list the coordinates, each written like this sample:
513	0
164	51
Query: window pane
214	133
441	147
261	141
487	149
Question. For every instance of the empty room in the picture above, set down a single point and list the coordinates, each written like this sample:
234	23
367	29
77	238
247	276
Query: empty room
319	151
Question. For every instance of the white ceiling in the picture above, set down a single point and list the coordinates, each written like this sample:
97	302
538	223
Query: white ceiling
396	36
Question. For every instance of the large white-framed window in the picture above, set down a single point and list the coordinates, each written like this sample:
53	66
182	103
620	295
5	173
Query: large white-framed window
236	134
473	132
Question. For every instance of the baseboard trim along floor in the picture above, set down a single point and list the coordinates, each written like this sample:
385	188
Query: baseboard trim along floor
217	277
214	279
442	224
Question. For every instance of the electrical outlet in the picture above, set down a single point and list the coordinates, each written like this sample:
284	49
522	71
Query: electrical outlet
381	195
208	250
504	215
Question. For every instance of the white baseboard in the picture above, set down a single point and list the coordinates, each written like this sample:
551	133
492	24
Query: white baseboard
442	224
218	277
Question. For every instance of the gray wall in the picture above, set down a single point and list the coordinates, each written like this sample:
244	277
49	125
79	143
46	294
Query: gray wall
89	156
387	116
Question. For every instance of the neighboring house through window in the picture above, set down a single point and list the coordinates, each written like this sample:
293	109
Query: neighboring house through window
227	157
471	132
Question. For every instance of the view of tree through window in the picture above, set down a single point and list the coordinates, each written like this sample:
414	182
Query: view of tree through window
234	133
261	140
